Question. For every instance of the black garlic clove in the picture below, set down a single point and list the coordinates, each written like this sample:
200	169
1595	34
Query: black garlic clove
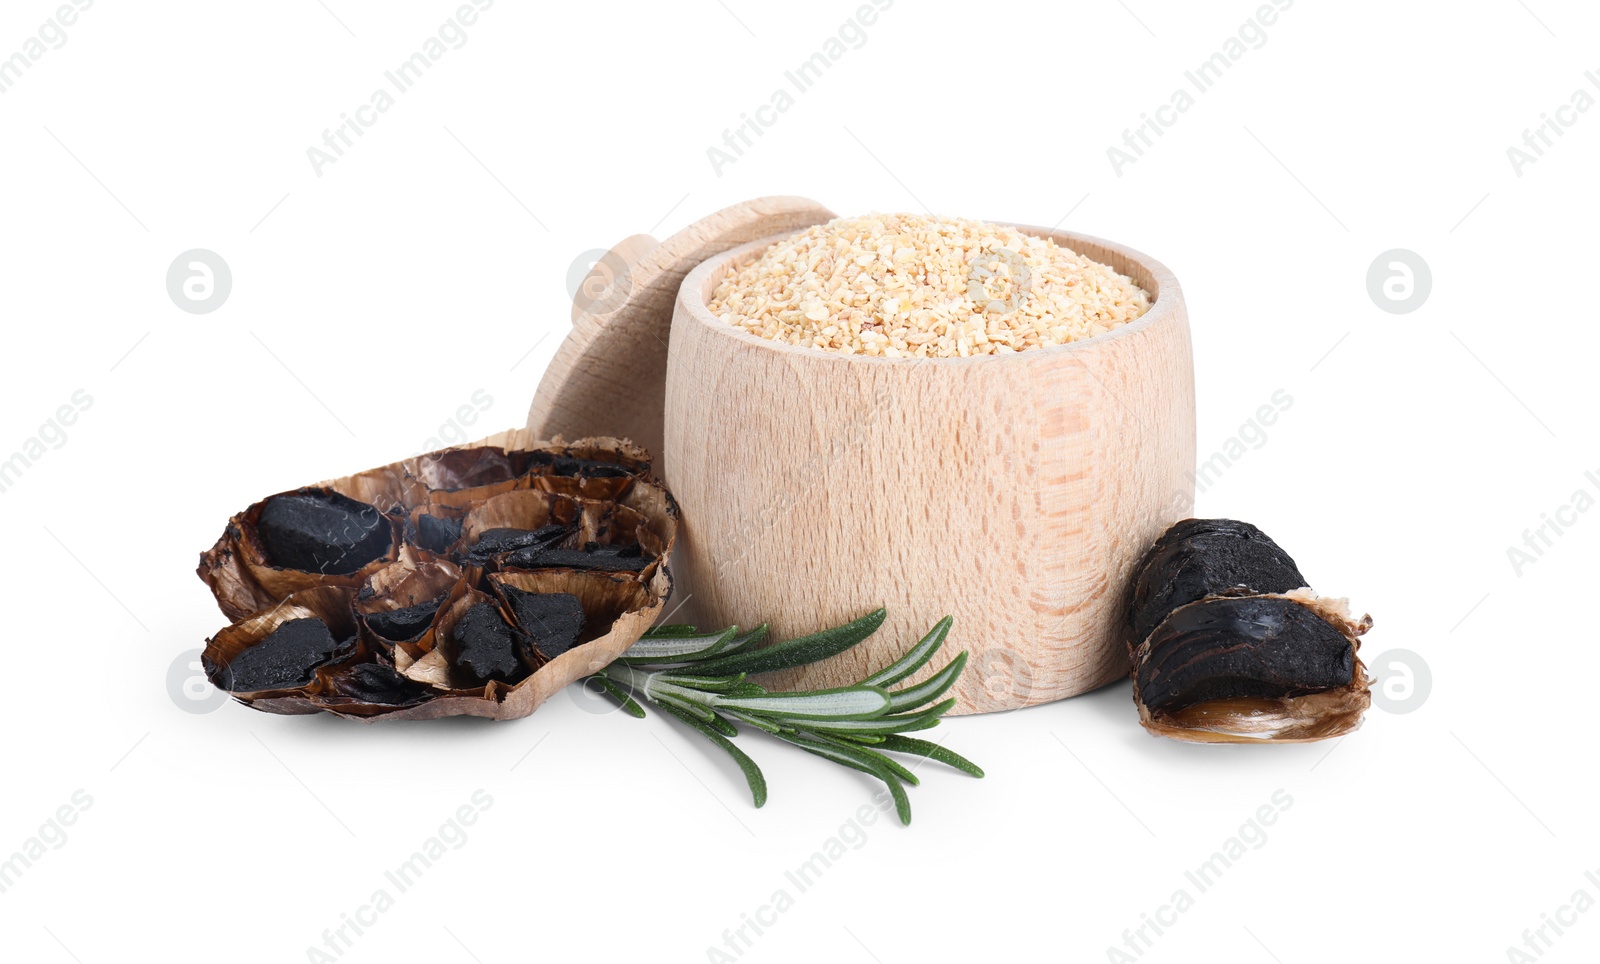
1259	647
1197	558
286	659
435	533
552	621
322	531
485	647
1254	669
406	624
498	541
593	557
375	684
568	466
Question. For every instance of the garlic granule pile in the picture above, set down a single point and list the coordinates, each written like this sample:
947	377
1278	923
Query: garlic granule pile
905	285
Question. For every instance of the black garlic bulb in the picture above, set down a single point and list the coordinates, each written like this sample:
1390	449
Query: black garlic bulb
1230	646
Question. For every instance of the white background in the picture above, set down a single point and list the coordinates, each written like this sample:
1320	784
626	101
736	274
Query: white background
430	262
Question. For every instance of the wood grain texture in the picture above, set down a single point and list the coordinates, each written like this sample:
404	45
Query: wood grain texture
609	376
1014	492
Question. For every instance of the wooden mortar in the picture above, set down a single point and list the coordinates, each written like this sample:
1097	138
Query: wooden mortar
1014	492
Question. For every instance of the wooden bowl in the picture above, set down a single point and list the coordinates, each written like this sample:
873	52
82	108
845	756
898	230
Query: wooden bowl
1014	492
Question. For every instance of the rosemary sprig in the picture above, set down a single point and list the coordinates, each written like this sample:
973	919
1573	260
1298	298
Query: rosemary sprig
701	679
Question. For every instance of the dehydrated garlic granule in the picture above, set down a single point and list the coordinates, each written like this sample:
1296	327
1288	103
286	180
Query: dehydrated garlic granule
905	285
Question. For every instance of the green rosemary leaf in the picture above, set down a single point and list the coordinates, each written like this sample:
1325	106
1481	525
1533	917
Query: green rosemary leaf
877	759
752	773
902	804
830	752
656	685
670	629
722	726
930	689
678	648
759	722
914	658
710	684
629	705
933	751
799	651
858	760
900	723
682	705
845	703
699	679
749	639
938	709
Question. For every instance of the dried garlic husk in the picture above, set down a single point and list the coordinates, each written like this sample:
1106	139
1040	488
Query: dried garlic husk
364	597
588	470
462	476
1229	646
370	689
604	597
324	536
513	521
276	652
399	605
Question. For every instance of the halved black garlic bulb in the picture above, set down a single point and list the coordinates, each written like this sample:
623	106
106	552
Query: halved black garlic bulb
474	581
1230	646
